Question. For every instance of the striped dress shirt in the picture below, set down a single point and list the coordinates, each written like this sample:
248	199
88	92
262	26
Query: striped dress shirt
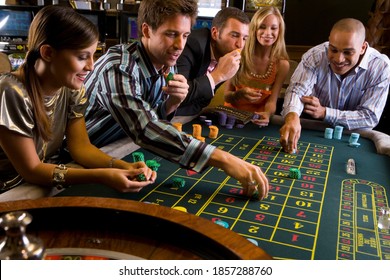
355	101
126	98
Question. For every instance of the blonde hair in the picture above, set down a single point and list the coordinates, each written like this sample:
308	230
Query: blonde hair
278	51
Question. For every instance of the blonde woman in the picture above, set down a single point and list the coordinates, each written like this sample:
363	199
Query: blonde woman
264	67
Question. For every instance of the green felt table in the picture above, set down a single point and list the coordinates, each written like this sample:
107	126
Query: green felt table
327	214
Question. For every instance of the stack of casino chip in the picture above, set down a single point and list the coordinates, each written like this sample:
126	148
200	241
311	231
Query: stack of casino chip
338	132
213	132
197	132
178	182
178	126
295	173
328	133
138	156
353	140
153	164
208	122
231	120
222	117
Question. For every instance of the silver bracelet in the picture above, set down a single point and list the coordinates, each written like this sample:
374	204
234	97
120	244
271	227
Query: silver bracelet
59	173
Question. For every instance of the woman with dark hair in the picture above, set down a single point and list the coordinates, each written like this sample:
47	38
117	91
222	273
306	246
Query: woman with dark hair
44	102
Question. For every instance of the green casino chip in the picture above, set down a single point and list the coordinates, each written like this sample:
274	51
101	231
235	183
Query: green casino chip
152	164
169	77
295	173
138	156
179	182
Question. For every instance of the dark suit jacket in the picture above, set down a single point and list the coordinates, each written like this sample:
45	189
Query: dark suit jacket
193	64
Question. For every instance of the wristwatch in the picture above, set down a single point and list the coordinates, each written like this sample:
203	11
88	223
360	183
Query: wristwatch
59	176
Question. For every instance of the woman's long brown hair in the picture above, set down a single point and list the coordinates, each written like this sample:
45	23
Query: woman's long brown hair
61	28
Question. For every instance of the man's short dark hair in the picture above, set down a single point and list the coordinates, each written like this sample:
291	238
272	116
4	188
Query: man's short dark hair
156	12
224	14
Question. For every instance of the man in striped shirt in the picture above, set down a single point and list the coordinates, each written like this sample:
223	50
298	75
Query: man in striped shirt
341	82
129	95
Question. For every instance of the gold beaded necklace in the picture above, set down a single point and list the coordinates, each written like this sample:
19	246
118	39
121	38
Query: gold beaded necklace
267	74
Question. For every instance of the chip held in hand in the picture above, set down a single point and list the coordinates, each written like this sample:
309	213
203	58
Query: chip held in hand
169	77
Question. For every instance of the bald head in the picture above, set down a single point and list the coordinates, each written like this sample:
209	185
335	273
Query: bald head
351	25
346	45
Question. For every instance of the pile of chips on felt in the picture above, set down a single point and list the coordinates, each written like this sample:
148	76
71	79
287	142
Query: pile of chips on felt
178	182
295	173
